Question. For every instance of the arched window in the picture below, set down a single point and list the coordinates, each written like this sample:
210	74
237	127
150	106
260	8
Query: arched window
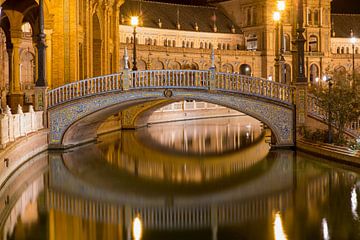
192	44
338	50
224	46
316	17
342	50
228	46
245	69
347	50
309	17
313	44
155	42
169	43
206	45
174	43
127	40
183	44
314	73
287	73
286	42
26	28
210	45
219	46
357	50
201	45
248	16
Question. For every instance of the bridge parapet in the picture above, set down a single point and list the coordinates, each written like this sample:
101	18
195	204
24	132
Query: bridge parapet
316	111
169	79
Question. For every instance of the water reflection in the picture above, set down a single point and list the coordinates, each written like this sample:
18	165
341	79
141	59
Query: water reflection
121	188
354	203
205	136
279	233
325	229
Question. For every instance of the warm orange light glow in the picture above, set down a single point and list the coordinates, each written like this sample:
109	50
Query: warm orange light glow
276	16
281	5
137	228
134	21
353	40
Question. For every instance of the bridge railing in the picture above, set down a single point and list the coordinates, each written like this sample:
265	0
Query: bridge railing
313	108
254	86
84	88
189	79
198	79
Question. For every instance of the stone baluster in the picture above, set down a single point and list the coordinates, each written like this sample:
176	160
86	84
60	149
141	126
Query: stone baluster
33	118
10	123
4	126
22	129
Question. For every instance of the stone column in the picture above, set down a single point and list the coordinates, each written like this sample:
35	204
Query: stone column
41	83
16	96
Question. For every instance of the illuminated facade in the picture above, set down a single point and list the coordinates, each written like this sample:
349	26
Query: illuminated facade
87	38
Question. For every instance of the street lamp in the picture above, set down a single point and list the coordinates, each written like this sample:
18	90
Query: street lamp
276	18
134	21
353	41
281	7
328	80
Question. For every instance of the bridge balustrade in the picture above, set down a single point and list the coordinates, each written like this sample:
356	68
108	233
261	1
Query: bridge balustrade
186	79
314	109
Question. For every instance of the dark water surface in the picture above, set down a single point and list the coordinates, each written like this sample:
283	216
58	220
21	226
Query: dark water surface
204	179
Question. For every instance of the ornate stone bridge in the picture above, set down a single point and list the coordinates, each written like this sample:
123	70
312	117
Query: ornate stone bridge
77	109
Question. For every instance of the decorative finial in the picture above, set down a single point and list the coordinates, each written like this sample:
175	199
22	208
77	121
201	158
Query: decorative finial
159	23
19	109
212	57
8	110
126	59
215	28
233	28
196	27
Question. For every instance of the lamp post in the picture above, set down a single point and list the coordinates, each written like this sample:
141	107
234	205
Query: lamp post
276	18
281	7
328	80
353	41
134	22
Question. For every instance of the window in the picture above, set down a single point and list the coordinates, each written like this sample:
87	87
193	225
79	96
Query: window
338	50
251	42
313	43
248	15
314	73
316	17
309	17
286	42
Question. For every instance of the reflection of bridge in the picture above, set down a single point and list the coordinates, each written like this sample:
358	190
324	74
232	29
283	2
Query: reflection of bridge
124	151
89	101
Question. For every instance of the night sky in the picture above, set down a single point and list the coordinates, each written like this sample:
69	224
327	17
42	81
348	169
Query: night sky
338	6
346	6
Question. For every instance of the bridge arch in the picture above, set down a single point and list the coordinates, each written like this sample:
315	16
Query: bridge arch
77	109
78	122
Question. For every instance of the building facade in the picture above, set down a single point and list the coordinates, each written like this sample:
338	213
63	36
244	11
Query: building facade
87	38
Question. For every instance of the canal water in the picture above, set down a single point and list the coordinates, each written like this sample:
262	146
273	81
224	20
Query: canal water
201	179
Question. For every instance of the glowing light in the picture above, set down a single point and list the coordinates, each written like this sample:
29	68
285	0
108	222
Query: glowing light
354	203
137	228
353	40
134	21
280	5
279	233
325	229
270	78
317	79
276	16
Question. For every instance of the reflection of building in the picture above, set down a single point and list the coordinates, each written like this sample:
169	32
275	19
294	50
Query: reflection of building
86	39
